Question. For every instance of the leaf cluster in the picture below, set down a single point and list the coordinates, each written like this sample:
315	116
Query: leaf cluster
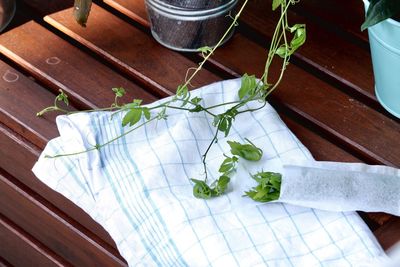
268	188
202	190
246	151
135	113
298	39
62	97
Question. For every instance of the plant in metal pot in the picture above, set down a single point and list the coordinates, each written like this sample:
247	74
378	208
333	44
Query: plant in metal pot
285	41
383	23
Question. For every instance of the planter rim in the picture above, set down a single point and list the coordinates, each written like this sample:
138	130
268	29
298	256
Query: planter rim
389	20
179	13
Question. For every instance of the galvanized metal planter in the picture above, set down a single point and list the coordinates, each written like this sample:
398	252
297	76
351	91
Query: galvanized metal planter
186	25
7	11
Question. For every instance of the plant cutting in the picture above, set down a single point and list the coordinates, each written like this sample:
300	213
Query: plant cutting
383	23
286	40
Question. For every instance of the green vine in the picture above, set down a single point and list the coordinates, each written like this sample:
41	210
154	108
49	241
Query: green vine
285	41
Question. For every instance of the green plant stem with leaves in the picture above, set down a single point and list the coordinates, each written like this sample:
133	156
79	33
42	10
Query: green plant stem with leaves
251	90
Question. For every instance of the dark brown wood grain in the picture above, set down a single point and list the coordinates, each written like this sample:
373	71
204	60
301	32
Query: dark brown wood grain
389	234
24	122
343	15
130	50
21	115
19	164
20	206
16	242
325	51
133	9
51	60
4	263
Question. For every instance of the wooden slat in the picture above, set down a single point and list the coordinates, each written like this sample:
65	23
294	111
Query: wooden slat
23	250
345	15
19	114
19	164
20	205
130	50
325	51
38	131
320	148
43	7
389	234
133	9
4	263
60	65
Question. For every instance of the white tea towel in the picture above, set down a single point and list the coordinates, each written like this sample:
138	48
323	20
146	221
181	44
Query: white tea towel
138	189
337	186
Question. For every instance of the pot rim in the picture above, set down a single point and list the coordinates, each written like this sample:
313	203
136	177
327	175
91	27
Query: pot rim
179	13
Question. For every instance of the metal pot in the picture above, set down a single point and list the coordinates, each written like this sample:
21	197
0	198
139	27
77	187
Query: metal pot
7	11
186	25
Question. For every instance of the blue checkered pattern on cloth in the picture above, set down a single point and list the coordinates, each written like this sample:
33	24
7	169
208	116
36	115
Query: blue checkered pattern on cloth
138	189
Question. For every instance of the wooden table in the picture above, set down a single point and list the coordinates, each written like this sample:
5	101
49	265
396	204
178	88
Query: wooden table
326	99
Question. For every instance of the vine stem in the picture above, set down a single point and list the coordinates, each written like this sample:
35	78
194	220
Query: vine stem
233	24
276	40
98	147
204	156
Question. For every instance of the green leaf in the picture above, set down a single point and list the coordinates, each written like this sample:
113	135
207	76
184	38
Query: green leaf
299	38
268	188
248	86
276	4
246	151
379	11
283	51
196	100
201	189
228	165
225	125
197	108
182	91
132	117
216	120
62	97
221	186
205	50
146	113
119	91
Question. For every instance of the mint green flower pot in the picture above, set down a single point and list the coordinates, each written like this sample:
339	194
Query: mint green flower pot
384	40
